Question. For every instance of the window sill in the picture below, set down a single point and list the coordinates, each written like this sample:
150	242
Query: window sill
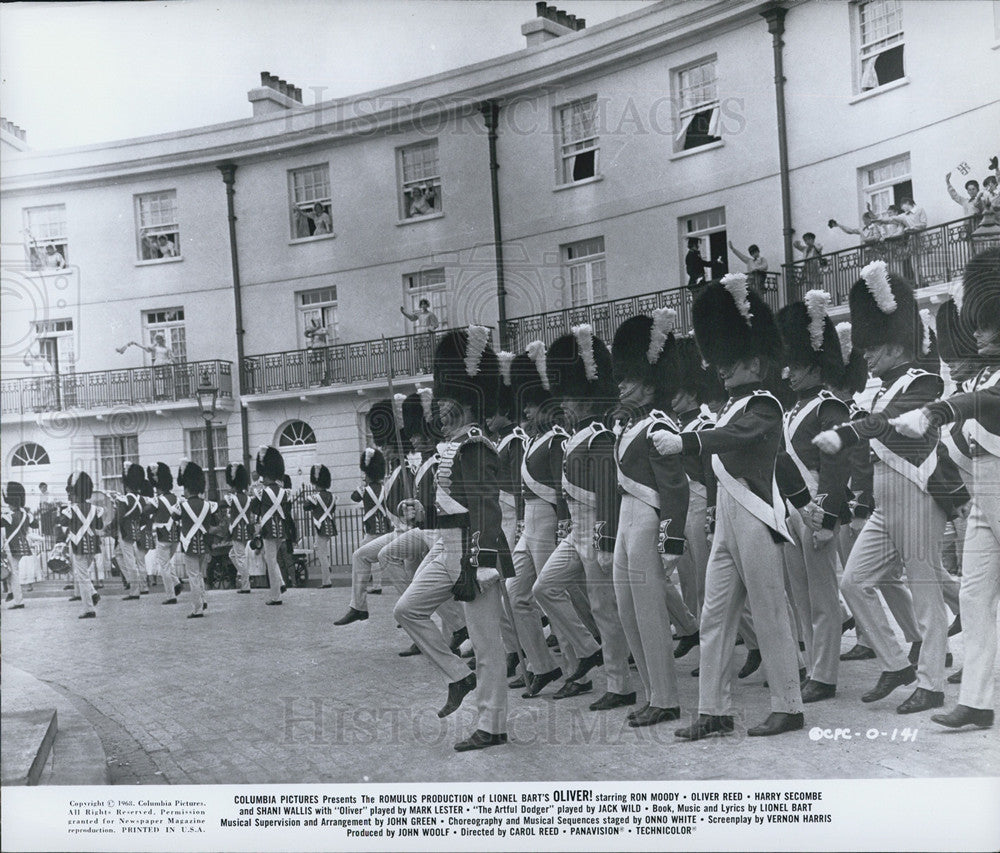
157	261
51	270
298	240
888	87
708	146
414	219
569	186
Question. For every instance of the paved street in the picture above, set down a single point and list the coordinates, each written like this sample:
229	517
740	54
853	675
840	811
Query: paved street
278	694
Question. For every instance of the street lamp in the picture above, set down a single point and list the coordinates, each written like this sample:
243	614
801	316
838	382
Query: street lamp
208	395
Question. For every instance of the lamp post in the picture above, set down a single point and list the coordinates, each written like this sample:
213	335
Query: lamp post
208	395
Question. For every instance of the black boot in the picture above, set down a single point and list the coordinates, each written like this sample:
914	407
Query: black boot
457	691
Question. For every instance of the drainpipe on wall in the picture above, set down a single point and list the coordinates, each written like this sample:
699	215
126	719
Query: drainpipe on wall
229	179
491	115
775	18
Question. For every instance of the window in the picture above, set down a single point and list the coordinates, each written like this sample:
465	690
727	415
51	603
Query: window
697	97
29	453
578	140
159	236
168	322
55	344
420	190
885	183
318	317
113	451
309	190
708	230
880	56
296	434
584	263
45	233
197	449
432	286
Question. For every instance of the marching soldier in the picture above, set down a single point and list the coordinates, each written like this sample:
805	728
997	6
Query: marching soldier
322	506
145	538
649	537
239	507
165	528
581	377
82	521
128	518
737	335
469	557
195	516
917	488
546	519
978	410
811	352
16	522
270	511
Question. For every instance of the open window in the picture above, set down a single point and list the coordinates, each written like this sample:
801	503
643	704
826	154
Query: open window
46	246
697	97
420	180
578	141
309	204
880	40
158	235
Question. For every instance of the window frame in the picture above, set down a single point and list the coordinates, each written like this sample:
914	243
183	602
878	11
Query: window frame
220	446
294	205
566	153
60	242
404	186
586	263
178	342
434	291
171	230
119	455
702	234
329	304
870	51
868	191
297	444
686	115
19	460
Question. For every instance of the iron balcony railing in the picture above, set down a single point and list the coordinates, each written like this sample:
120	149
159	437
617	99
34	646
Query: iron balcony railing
606	317
936	254
339	364
106	389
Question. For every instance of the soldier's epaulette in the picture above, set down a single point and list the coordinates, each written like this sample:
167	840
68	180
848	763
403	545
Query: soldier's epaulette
477	436
521	434
558	430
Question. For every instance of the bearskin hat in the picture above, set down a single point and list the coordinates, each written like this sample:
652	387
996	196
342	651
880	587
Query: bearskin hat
15	494
190	477
381	422
732	323
505	389
956	343
854	369
692	375
884	311
466	370
319	476
160	476
980	306
146	489
80	486
133	475
418	415
528	386
644	348
373	464
237	476
808	336
579	366
270	463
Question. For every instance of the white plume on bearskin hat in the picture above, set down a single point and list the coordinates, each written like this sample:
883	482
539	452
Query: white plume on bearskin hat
237	476
160	476
466	370
579	366
732	323
808	336
373	464
643	350
80	486
270	464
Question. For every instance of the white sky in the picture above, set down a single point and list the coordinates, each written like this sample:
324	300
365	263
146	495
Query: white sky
79	73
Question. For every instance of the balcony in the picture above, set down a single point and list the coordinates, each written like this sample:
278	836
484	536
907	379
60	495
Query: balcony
606	317
933	256
108	389
339	365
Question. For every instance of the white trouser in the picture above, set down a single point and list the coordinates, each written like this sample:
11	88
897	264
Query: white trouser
269	550
84	586
238	554
365	567
128	563
692	564
196	565
324	554
165	557
533	549
15	580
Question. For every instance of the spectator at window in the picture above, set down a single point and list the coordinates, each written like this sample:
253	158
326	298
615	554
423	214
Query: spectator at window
870	232
694	264
425	319
812	254
968	204
53	259
988	200
316	221
756	265
150	248
42	380
913	219
421	200
166	247
890	222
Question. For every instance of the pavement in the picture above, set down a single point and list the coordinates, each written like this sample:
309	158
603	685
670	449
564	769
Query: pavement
256	694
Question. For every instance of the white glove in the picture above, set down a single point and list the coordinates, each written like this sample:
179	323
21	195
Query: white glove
828	442
605	560
822	538
667	443
912	424
812	515
669	561
857	524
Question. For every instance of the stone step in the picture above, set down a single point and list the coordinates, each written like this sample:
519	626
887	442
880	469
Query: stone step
27	743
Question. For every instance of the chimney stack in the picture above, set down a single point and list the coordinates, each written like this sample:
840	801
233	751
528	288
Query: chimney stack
273	95
550	23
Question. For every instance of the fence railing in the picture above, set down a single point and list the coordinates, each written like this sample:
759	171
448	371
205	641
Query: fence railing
606	317
936	254
103	389
339	364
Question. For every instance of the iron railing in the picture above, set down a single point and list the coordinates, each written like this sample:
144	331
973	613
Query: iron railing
339	364
103	389
606	317
936	254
